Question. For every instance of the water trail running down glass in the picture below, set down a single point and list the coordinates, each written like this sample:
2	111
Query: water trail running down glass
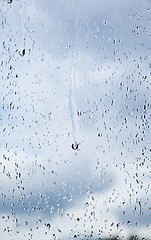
72	88
22	28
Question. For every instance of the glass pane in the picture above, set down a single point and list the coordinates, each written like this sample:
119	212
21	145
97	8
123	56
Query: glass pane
75	115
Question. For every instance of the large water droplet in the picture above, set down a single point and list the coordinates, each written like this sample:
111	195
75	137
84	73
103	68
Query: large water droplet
75	145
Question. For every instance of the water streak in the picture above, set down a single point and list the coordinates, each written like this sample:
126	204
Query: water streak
73	77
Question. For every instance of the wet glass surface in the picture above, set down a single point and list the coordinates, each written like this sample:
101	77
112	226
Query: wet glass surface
75	112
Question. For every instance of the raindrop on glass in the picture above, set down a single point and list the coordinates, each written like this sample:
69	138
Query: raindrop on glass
75	146
23	52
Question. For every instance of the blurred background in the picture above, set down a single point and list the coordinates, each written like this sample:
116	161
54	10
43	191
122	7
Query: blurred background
75	112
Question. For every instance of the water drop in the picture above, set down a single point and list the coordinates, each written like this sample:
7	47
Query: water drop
79	113
22	53
9	1
75	145
114	41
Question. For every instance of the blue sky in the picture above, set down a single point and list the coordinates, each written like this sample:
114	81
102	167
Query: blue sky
85	78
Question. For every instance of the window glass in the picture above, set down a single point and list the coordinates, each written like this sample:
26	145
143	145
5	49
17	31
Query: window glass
75	112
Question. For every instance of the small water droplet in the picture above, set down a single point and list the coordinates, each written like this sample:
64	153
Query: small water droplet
75	146
114	41
23	52
79	113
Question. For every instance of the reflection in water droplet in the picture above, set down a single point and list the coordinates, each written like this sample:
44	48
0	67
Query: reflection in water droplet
9	1
75	146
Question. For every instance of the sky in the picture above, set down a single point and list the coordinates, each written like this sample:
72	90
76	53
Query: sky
75	115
